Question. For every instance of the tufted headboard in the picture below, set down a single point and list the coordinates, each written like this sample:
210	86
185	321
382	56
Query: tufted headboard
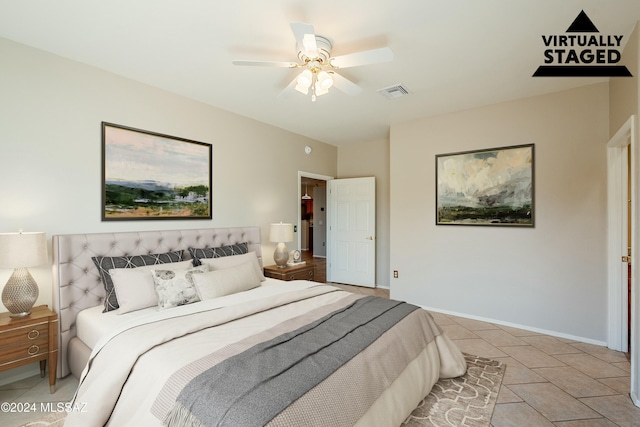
77	284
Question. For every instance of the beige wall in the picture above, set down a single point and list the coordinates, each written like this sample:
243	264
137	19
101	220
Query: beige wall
372	159
623	92
550	278
50	145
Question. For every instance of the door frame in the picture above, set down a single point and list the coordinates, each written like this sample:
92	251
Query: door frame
617	226
617	235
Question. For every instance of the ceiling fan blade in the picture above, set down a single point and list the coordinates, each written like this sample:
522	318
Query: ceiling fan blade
305	37
345	85
310	46
266	63
288	91
383	54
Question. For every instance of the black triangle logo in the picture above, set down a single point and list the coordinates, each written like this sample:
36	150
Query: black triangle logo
582	24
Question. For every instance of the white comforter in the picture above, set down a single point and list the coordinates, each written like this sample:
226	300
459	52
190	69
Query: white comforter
128	368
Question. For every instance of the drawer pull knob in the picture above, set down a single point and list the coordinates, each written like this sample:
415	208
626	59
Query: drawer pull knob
33	334
33	350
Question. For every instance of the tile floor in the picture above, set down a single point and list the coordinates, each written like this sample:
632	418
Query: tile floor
548	381
34	392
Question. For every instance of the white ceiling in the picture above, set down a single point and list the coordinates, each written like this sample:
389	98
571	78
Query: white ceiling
450	54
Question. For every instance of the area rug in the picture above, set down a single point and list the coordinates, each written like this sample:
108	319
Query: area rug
463	401
468	400
55	419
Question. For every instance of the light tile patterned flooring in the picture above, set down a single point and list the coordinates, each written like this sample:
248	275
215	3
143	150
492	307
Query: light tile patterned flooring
548	381
33	391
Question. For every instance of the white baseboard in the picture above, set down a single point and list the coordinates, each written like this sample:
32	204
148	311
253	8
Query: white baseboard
383	287
517	326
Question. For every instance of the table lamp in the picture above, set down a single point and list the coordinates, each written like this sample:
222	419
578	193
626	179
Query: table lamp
19	251
281	234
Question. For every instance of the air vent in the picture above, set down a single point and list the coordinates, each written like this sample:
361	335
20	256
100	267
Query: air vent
393	92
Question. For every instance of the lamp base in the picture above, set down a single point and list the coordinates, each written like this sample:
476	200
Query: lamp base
19	315
281	255
20	293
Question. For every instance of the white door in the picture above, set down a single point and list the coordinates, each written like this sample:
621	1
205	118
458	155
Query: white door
352	231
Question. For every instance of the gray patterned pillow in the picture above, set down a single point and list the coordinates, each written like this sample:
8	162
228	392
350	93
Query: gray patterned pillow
105	263
177	287
237	249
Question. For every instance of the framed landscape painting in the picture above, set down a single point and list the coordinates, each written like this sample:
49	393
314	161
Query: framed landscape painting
147	175
486	187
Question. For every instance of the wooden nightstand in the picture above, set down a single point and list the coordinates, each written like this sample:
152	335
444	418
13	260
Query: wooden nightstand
30	339
298	272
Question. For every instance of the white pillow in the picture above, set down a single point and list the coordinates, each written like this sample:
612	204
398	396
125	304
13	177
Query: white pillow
175	287
135	288
231	261
227	281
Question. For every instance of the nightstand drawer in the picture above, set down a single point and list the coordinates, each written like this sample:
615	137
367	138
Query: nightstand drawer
298	272
24	342
306	274
29	339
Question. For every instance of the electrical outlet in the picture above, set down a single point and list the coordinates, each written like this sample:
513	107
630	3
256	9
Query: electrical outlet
295	228
395	274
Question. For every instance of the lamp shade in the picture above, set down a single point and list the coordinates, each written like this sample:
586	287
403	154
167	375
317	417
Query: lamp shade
20	250
281	233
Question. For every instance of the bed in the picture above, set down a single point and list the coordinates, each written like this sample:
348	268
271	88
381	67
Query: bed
273	353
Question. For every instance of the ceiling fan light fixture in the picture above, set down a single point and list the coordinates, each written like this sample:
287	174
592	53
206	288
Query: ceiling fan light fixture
324	80
302	89
304	81
314	55
319	90
305	78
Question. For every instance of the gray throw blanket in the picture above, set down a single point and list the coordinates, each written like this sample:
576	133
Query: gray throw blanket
253	387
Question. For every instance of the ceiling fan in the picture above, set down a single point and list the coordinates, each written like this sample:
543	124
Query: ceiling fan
314	56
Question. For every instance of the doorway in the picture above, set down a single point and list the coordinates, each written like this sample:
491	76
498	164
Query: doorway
348	227
312	221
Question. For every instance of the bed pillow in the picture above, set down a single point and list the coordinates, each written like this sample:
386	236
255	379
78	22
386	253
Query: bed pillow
228	281
232	261
106	263
175	287
219	252
135	288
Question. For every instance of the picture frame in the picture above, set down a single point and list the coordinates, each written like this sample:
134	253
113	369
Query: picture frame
152	176
489	187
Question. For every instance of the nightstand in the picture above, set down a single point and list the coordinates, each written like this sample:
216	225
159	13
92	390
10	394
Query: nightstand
33	338
298	272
